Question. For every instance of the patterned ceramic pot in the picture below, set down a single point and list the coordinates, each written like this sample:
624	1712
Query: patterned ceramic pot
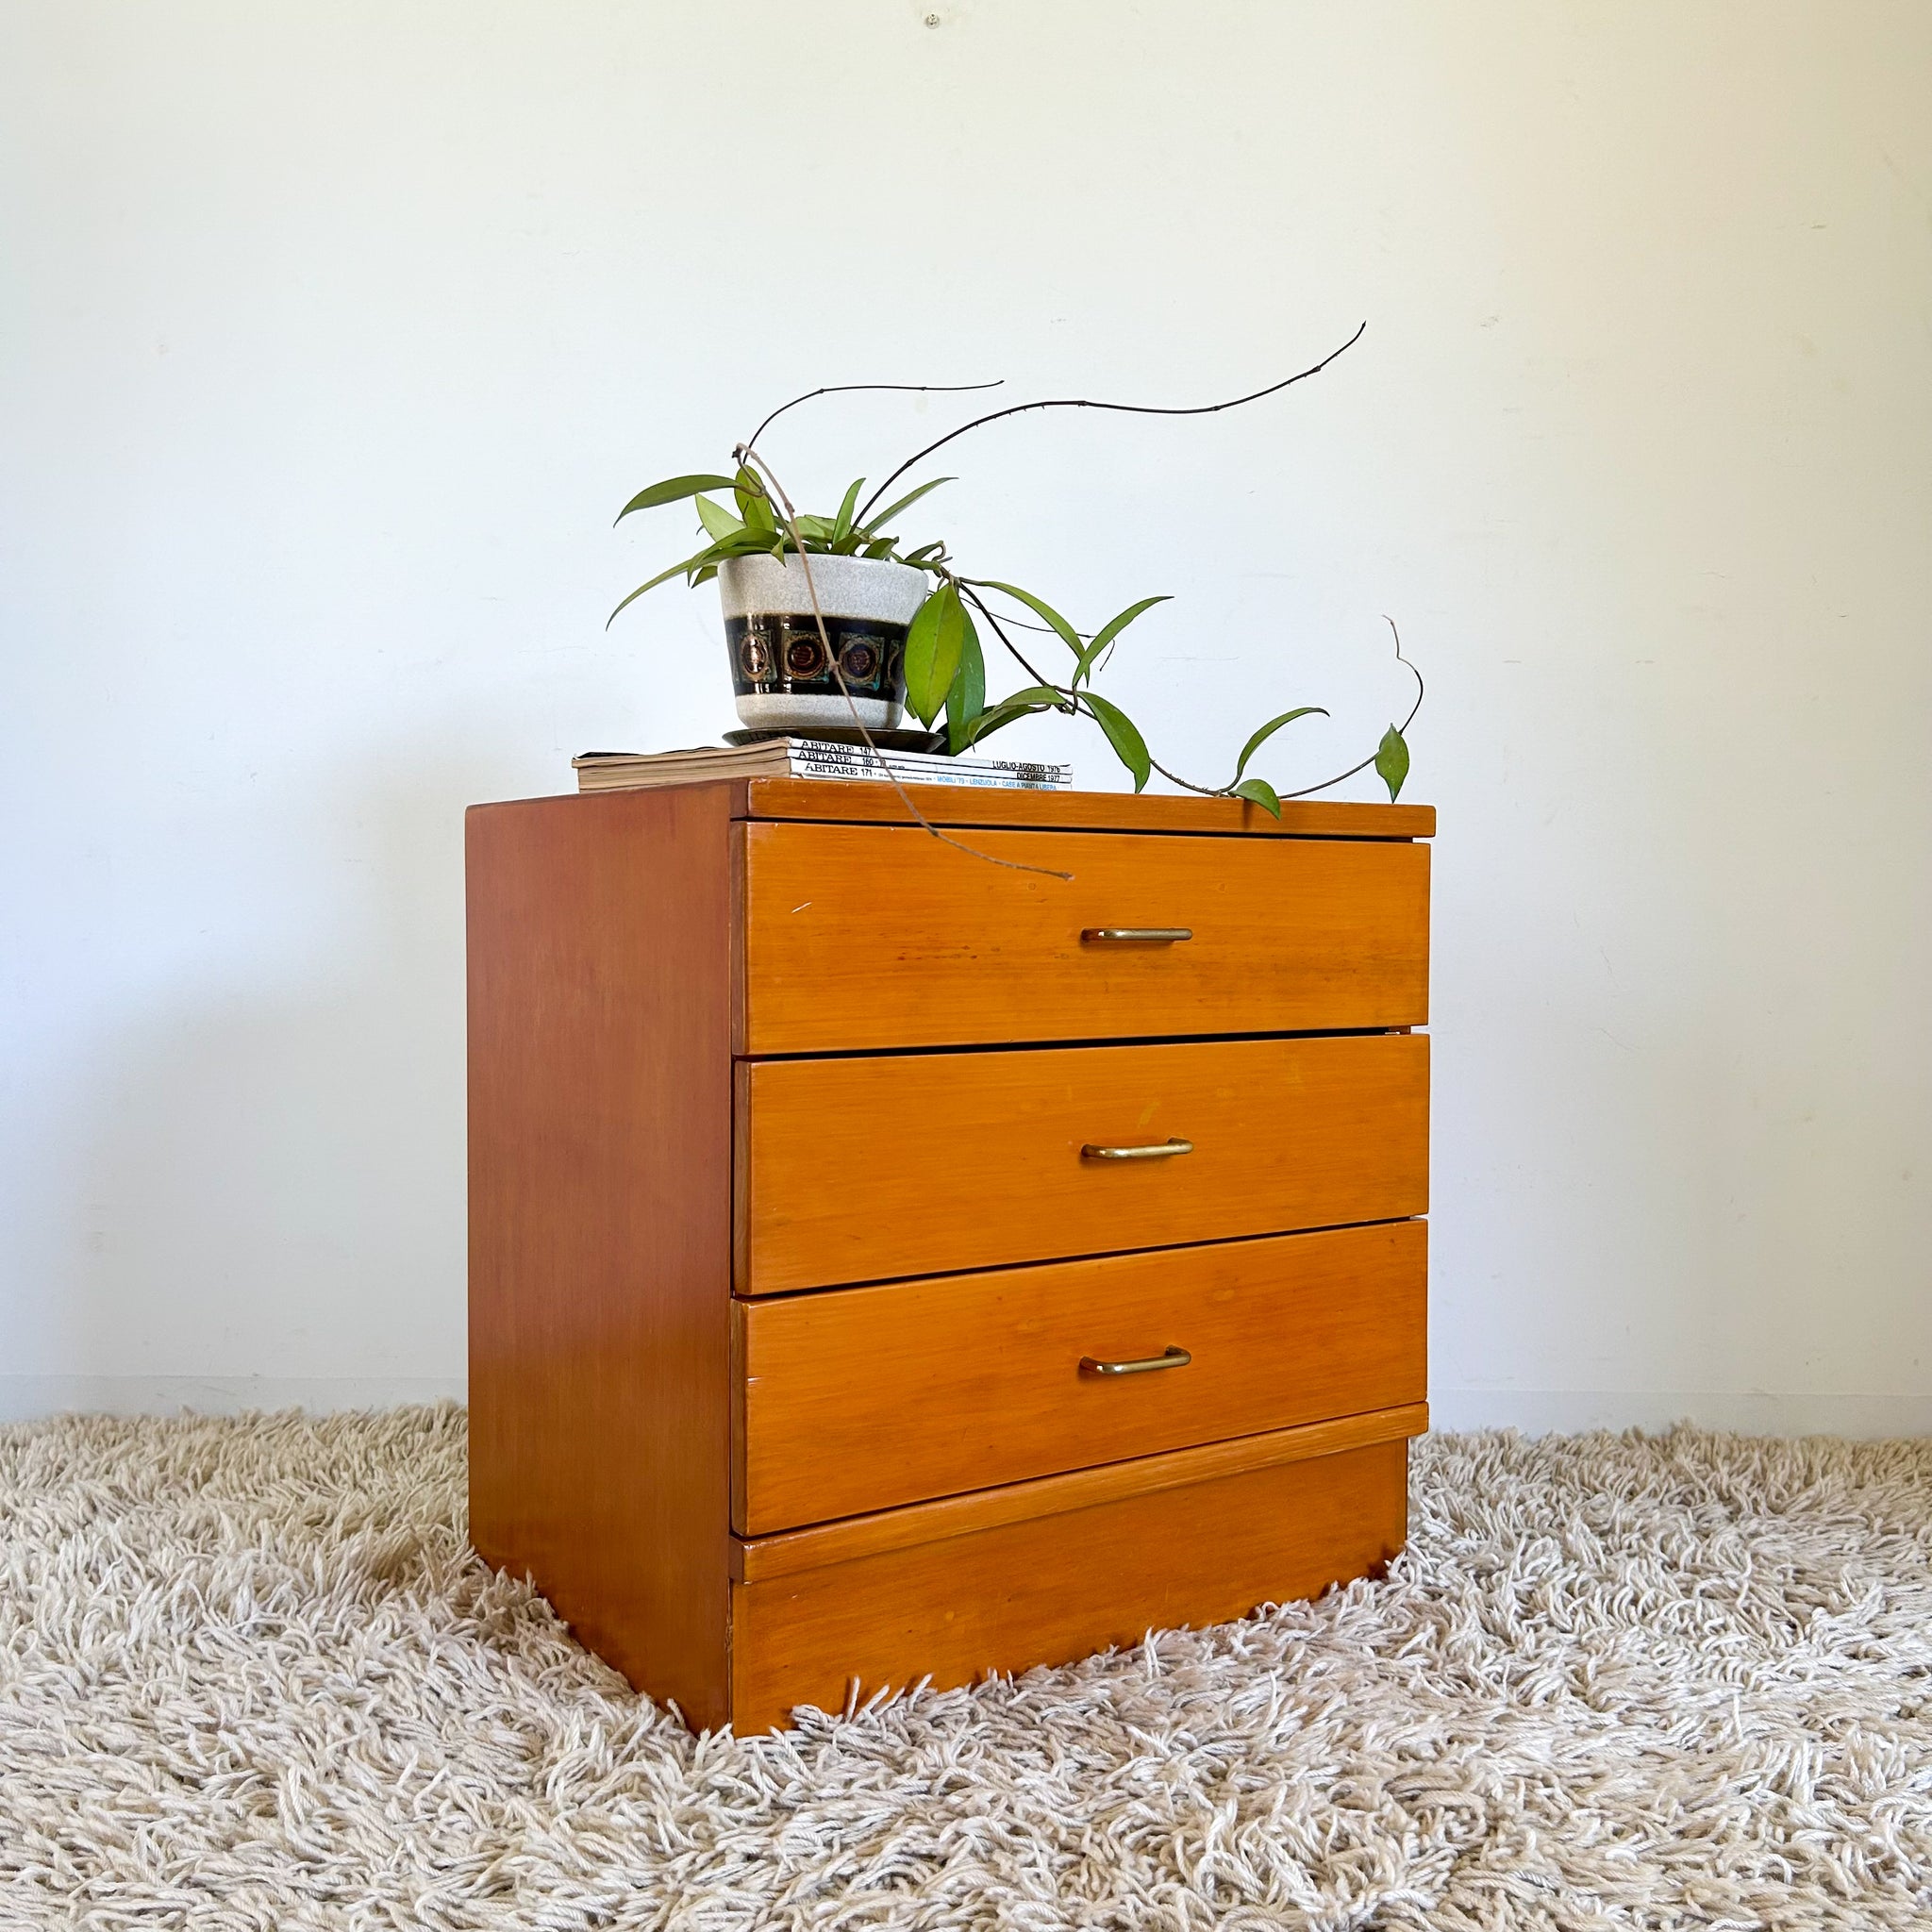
779	670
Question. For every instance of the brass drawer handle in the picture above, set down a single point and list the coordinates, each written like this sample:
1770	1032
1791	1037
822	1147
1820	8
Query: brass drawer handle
1160	1150
1168	1358
1136	935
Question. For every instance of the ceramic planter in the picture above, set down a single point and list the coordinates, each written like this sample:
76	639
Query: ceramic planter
780	671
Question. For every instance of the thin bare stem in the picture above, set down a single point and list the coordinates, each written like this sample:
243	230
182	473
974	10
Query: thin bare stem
1227	791
979	604
1186	784
1420	689
842	388
1126	409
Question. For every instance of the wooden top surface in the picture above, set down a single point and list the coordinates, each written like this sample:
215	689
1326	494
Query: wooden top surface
1093	812
860	801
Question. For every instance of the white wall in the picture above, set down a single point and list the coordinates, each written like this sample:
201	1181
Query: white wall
336	335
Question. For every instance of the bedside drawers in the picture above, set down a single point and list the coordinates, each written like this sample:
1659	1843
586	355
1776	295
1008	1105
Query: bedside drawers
876	1272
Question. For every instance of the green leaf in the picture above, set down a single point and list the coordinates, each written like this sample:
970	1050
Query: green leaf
1269	729
933	648
1123	735
922	643
743	543
1392	761
1069	636
663	576
951	648
1111	630
673	489
914	557
966	699
841	528
754	505
906	501
719	524
881	547
700	568
1022	704
1258	792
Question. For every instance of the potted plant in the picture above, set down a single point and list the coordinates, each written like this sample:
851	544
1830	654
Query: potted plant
835	628
817	610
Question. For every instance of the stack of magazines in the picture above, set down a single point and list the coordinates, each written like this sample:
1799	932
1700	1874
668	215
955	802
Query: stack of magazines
809	758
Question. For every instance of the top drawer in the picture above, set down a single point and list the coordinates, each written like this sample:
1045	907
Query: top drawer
876	936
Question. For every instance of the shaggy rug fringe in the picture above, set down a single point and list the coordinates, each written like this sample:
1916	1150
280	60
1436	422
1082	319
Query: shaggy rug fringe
251	1676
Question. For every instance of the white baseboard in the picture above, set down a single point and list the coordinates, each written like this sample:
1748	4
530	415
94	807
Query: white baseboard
27	1398
1752	1413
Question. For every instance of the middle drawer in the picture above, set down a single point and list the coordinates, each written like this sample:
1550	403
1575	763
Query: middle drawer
904	1164
871	1397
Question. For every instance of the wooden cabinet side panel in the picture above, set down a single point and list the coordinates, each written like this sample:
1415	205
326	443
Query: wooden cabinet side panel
600	1152
1049	1589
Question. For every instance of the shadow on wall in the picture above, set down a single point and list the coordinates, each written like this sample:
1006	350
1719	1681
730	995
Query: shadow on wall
275	1200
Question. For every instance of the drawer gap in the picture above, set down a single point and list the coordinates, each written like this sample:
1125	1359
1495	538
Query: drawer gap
1052	1261
953	1051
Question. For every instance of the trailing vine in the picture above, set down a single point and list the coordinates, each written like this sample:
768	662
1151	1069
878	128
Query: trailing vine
945	660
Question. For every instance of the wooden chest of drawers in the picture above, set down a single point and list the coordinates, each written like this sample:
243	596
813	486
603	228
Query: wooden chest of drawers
884	1265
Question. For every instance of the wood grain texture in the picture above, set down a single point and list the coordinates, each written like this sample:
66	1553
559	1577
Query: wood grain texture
866	1398
617	1190
755	1559
599	944
1047	1590
865	936
867	1168
864	802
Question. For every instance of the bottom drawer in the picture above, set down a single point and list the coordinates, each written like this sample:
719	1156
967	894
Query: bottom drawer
1042	1573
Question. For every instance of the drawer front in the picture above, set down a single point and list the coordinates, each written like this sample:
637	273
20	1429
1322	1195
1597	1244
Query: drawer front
871	1397
864	1170
1045	1589
873	935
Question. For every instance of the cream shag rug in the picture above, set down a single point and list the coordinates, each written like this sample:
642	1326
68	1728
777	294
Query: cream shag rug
251	1676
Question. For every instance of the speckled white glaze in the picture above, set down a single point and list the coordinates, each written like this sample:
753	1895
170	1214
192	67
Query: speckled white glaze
847	587
865	588
808	711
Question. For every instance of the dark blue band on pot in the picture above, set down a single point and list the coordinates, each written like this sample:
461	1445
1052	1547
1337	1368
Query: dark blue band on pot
779	652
